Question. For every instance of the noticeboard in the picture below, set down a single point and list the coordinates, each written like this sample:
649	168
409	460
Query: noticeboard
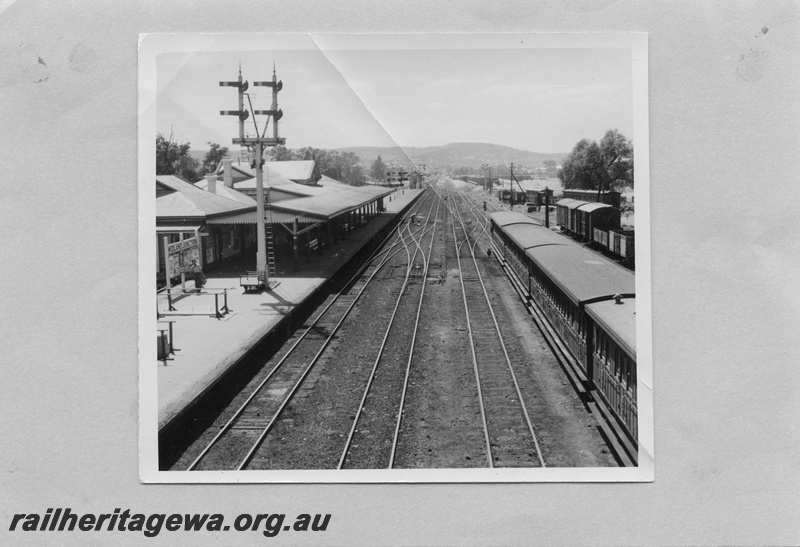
180	255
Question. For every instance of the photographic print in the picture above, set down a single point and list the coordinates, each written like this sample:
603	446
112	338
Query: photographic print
375	258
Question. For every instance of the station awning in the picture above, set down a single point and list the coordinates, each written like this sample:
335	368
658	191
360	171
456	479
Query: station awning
176	229
272	217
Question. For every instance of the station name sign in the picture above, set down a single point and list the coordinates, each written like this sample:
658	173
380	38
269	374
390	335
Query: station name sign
179	256
181	246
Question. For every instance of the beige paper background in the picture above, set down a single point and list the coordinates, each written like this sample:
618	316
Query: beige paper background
724	131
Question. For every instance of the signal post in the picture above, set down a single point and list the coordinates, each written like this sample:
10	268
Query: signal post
256	146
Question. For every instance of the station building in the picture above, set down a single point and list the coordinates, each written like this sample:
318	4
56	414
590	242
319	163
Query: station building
305	212
184	211
416	178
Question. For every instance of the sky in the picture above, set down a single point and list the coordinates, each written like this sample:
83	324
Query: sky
412	92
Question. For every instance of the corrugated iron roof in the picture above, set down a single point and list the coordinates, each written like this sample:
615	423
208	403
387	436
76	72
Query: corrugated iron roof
272	217
294	170
327	205
190	201
270	178
374	191
227	192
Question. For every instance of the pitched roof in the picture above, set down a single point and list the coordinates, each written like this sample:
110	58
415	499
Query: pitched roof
331	200
271	179
227	192
298	171
188	200
370	190
295	170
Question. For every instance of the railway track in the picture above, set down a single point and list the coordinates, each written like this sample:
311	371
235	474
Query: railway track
623	452
371	442
238	440
508	429
405	368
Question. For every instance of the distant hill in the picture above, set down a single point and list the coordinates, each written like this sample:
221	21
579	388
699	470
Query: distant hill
467	154
464	154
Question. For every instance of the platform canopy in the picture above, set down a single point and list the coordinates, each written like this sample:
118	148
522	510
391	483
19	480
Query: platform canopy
326	205
271	216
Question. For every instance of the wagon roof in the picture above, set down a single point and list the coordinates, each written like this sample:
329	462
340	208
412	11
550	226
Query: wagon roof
618	320
571	203
527	237
581	273
506	218
589	207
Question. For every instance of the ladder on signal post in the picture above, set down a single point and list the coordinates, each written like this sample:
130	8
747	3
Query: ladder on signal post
271	270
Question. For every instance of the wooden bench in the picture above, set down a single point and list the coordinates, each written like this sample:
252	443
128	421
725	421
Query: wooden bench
250	281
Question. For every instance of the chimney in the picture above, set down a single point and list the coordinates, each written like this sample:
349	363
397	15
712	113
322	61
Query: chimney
227	172
211	181
618	299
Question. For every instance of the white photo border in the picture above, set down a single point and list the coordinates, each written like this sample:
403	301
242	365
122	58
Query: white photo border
153	45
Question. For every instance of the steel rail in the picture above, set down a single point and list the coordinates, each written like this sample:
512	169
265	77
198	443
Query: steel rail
525	412
472	349
368	386
396	436
226	427
257	444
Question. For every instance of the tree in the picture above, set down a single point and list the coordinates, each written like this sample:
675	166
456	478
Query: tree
281	153
602	167
617	153
174	159
213	157
378	170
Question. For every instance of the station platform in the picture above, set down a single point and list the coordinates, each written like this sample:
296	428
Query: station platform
207	346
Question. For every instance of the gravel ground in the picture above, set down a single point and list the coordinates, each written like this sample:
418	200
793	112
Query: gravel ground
441	426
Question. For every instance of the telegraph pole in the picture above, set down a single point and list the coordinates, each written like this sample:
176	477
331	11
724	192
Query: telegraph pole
257	145
511	186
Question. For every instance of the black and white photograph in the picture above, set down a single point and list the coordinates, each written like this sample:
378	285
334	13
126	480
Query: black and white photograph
383	258
379	273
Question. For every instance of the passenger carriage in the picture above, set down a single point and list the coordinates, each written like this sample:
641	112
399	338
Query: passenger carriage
589	300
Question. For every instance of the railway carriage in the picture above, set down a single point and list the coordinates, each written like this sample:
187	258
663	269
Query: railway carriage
596	216
598	223
588	300
621	242
614	356
582	218
565	214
